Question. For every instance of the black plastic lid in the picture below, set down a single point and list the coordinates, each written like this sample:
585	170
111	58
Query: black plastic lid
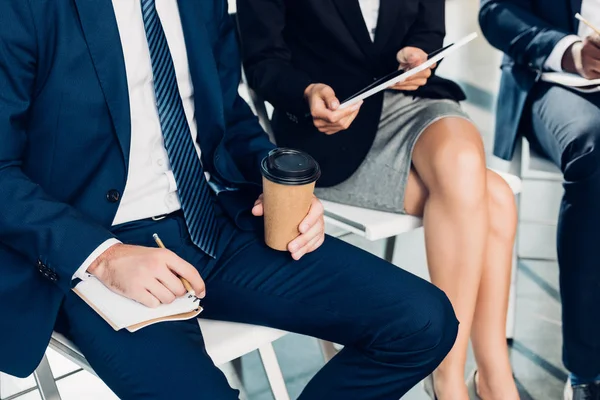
290	167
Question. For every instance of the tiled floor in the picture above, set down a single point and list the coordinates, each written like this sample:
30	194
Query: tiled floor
536	352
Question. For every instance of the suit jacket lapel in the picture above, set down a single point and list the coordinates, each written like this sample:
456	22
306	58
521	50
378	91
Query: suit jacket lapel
352	16
102	37
208	98
388	18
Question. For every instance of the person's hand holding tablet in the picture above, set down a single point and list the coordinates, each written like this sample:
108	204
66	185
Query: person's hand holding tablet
411	57
324	109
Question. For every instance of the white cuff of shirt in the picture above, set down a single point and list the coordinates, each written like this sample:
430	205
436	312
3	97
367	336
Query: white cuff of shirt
554	61
81	273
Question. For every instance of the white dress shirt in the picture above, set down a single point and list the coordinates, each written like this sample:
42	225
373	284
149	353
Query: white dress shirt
370	12
151	189
590	9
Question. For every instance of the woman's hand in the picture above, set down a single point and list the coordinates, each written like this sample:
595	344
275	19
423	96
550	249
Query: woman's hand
324	109
410	57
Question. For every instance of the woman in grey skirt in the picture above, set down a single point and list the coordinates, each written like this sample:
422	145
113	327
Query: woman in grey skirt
408	150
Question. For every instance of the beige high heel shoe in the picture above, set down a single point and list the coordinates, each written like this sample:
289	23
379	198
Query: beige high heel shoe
429	388
472	386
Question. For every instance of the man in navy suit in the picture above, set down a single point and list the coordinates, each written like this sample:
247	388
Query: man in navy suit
120	119
538	36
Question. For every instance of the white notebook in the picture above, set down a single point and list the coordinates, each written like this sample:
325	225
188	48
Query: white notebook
121	312
573	81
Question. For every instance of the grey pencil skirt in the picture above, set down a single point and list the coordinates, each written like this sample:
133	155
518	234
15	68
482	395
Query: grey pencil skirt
380	181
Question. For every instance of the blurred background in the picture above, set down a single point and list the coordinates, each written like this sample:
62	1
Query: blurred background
536	348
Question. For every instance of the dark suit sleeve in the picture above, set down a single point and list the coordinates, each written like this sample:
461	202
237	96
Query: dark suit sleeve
267	58
513	27
32	223
428	31
245	139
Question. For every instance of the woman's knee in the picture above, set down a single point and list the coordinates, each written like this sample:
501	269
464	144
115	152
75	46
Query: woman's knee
502	206
459	170
450	158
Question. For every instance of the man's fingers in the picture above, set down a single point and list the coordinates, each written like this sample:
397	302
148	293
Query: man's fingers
315	213
318	243
171	282
258	210
305	239
186	270
594	40
591	50
308	247
146	298
158	290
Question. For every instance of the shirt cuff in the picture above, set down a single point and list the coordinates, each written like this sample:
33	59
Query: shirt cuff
81	273
554	61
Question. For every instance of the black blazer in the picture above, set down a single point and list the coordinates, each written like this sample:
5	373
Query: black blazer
289	44
526	31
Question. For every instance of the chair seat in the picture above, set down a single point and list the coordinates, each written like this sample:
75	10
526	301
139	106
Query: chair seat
376	225
537	166
225	341
371	224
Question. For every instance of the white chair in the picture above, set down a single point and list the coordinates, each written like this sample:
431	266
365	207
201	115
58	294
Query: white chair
225	342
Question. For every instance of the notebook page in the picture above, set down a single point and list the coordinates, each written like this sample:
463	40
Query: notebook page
570	80
123	312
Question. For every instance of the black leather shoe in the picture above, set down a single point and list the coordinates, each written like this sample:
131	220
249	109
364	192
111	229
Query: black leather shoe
582	392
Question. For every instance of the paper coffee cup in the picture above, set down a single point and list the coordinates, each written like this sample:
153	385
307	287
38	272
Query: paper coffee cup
289	178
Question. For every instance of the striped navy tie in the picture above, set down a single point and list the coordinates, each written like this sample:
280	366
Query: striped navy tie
194	191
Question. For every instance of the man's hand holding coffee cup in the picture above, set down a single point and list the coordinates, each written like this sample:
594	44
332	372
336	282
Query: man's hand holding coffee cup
411	57
312	229
583	58
324	109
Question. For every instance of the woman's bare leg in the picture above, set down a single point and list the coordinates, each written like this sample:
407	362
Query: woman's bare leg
488	334
449	188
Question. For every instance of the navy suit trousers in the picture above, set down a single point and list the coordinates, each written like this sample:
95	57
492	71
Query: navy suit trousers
396	327
566	126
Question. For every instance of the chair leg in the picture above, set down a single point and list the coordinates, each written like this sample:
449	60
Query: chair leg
45	381
512	295
512	301
273	371
328	349
390	245
237	366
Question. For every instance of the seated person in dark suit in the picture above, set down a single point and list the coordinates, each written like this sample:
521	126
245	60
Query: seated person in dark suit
120	119
538	36
410	149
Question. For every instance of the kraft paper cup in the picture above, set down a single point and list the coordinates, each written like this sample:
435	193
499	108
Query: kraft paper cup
289	178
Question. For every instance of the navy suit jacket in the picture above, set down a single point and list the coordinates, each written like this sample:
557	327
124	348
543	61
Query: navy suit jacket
526	31
65	143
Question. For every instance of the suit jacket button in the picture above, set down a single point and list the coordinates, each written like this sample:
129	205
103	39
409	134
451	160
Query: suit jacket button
113	196
52	276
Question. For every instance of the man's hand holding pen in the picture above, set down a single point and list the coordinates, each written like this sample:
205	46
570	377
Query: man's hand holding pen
150	276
